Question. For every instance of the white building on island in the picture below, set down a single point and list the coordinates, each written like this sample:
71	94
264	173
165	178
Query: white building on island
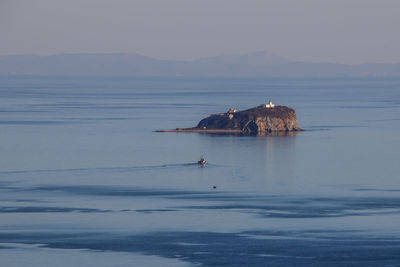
269	105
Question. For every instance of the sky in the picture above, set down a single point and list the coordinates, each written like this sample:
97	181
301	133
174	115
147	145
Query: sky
339	31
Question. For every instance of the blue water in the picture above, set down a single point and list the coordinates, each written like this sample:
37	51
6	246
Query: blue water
85	180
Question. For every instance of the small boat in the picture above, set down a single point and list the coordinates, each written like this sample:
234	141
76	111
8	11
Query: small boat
202	161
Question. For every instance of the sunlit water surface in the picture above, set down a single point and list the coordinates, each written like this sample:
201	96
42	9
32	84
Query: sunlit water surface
84	180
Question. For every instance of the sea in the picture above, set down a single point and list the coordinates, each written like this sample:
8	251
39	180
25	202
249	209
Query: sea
86	181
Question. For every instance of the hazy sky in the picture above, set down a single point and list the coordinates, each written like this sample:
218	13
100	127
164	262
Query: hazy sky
345	31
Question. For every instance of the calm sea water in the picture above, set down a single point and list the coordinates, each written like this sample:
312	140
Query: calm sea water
84	180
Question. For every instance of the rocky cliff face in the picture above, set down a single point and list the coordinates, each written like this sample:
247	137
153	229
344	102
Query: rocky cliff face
256	120
262	120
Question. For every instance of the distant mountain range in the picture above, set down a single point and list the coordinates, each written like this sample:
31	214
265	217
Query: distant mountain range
257	64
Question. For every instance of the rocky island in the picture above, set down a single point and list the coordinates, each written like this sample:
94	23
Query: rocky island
261	120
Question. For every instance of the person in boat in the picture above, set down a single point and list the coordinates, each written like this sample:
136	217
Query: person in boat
202	161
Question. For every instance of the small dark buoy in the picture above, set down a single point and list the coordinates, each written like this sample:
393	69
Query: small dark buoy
202	161
214	187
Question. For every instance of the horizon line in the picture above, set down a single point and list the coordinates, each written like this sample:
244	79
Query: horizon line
200	58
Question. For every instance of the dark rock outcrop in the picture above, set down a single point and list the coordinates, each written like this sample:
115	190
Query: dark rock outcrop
255	121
